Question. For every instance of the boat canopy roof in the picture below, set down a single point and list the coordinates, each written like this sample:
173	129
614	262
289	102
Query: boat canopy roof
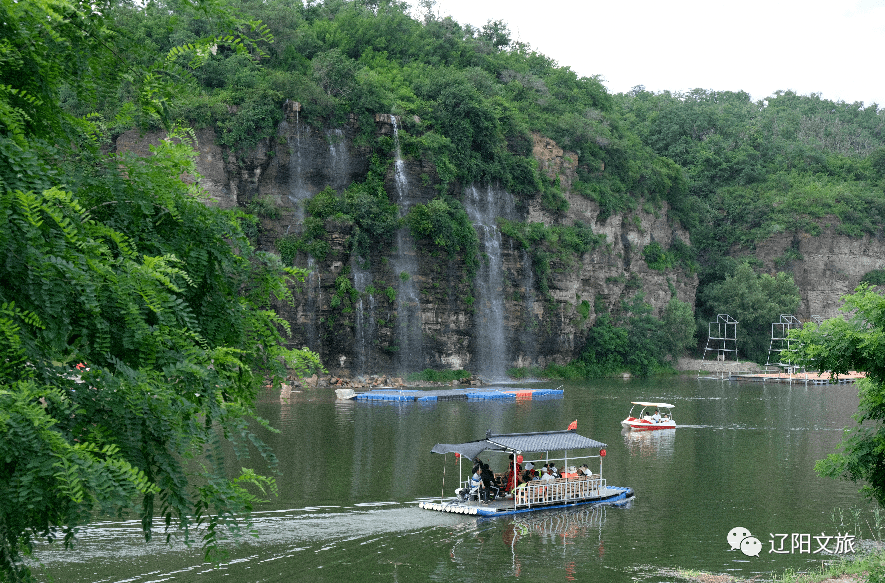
521	442
644	404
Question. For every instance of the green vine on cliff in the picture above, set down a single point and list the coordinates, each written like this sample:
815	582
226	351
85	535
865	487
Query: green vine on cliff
364	209
345	295
443	223
678	255
549	244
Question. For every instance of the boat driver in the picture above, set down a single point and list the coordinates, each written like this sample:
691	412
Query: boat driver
656	418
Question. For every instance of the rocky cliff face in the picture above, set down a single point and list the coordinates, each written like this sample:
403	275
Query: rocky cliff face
487	324
825	267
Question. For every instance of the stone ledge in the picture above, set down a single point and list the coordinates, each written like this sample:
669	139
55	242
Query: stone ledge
692	364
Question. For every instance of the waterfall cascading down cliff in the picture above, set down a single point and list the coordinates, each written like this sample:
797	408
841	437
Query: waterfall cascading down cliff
312	307
364	323
298	191
491	354
409	328
339	158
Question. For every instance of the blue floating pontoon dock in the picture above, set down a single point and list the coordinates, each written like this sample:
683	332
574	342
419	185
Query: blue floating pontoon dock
466	394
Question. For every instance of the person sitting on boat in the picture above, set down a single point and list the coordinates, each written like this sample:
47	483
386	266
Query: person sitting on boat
585	471
656	418
548	475
531	472
487	479
524	479
475	481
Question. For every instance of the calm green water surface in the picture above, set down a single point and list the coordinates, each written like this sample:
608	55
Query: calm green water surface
352	474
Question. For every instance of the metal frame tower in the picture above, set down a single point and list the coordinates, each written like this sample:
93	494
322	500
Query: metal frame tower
722	337
780	341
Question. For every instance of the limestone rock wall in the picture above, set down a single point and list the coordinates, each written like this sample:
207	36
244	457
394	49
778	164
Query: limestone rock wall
611	273
362	337
825	267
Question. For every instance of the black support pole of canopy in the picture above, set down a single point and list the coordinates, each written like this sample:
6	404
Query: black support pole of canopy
442	492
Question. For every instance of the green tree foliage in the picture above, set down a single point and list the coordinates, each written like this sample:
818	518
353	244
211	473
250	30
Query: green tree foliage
444	223
677	328
854	342
754	169
113	261
755	301
477	94
636	341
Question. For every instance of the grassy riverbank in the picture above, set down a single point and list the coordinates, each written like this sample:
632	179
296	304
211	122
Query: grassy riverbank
866	566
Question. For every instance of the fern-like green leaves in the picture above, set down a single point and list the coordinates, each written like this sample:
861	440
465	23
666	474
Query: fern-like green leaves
136	323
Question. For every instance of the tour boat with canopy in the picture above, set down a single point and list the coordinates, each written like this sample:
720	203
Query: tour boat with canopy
646	421
576	484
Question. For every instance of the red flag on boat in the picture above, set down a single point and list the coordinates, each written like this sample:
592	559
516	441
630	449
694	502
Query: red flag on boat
572	425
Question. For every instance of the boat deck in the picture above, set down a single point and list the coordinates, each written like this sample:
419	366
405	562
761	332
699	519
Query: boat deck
465	394
503	507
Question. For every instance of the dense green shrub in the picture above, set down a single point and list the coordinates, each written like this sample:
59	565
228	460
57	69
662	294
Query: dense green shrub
656	258
874	277
364	207
444	223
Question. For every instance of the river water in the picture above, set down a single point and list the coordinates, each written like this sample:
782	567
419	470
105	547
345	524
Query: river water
352	473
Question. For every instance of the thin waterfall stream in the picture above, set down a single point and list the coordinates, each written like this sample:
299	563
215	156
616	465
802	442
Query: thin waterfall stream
492	348
409	333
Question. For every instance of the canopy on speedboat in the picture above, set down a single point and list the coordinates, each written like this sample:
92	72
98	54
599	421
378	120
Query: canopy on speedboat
521	442
644	404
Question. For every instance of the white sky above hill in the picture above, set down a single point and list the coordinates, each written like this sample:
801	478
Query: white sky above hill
836	49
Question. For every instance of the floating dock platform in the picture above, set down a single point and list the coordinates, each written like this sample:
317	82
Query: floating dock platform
810	378
466	394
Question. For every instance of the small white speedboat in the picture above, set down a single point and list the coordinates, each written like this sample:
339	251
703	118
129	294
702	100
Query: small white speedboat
651	416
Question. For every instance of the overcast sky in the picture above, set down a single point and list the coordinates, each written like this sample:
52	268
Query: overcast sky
836	49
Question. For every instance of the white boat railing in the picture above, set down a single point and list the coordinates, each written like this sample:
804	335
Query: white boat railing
539	492
561	490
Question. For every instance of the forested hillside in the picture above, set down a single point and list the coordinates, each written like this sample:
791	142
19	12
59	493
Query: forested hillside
787	164
476	93
732	171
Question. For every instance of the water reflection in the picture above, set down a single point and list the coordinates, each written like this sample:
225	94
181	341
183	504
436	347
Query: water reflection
650	443
564	524
580	527
343	412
